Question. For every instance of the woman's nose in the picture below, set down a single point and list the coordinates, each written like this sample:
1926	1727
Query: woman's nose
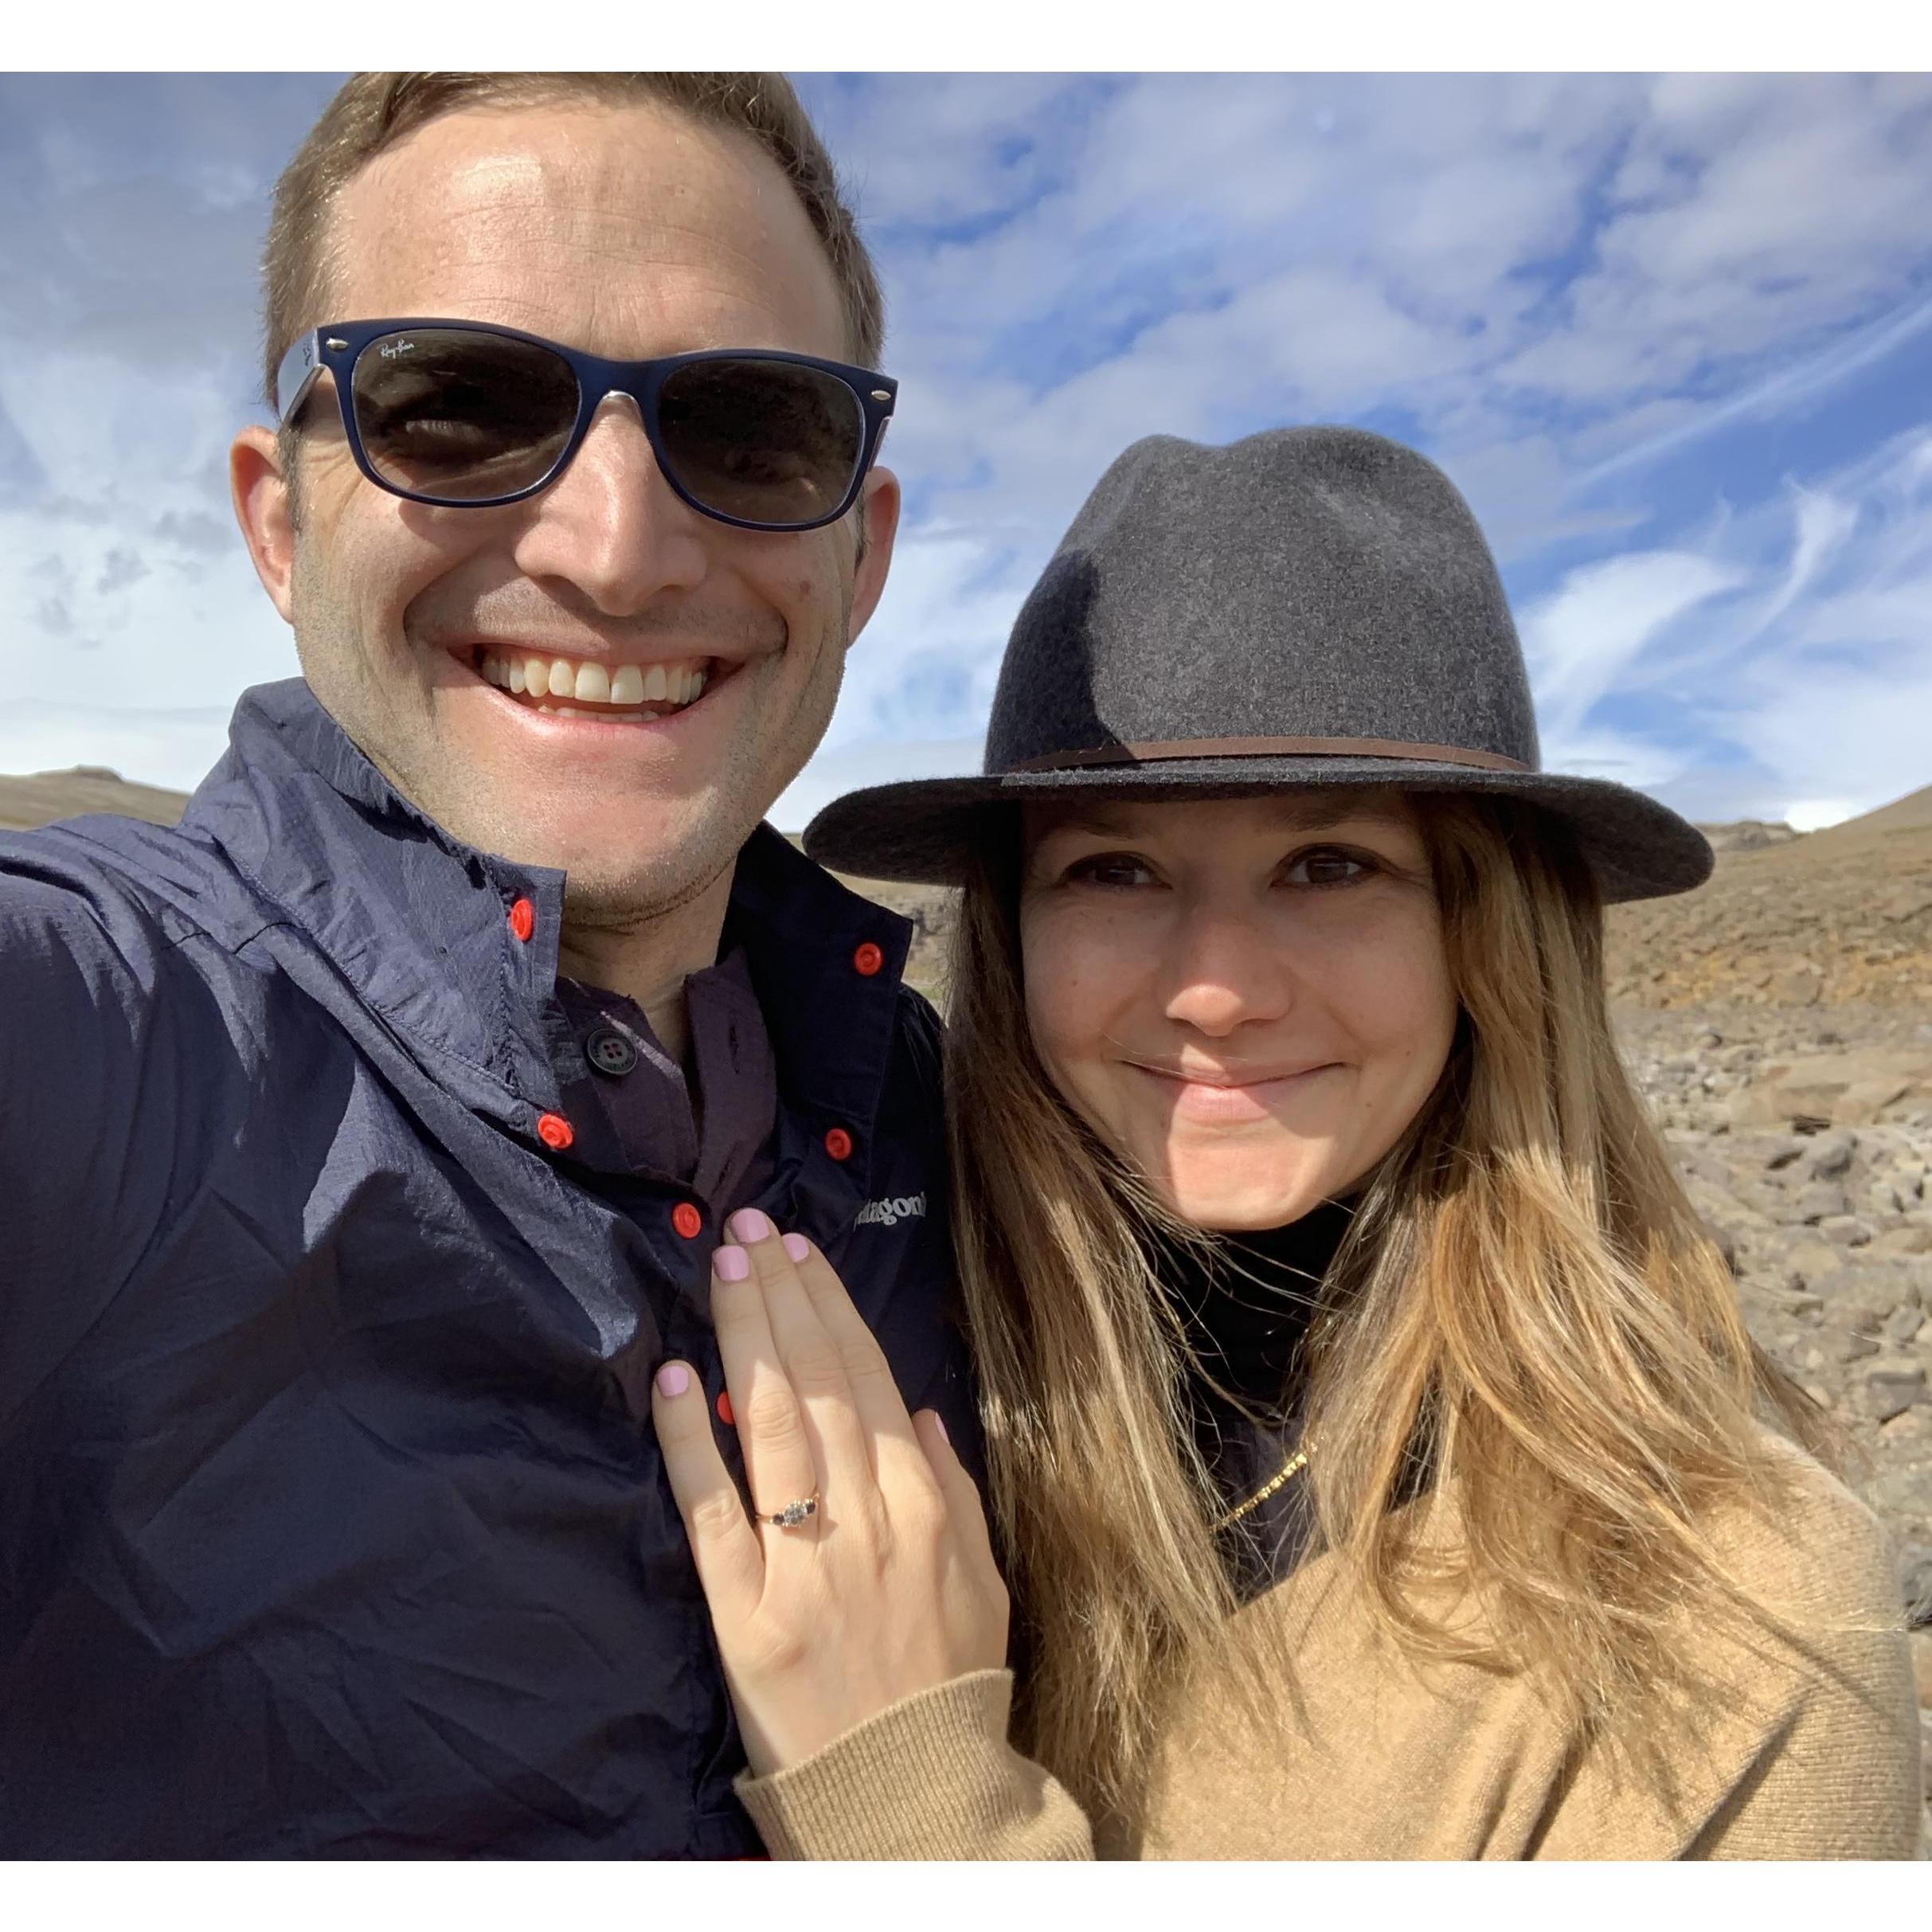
1227	971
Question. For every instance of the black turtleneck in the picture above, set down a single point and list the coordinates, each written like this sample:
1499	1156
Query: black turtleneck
1247	1313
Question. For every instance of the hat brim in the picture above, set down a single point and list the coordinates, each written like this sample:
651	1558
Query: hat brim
924	830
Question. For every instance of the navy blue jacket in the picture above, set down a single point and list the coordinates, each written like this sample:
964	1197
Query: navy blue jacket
331	1521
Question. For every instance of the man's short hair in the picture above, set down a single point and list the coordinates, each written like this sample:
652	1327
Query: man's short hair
372	112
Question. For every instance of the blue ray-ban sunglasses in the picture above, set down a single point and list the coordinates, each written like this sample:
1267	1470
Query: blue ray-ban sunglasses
469	413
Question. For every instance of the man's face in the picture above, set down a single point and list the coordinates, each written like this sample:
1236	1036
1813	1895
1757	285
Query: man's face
629	232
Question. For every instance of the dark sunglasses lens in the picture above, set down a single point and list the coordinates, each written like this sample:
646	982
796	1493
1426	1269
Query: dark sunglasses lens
458	415
772	443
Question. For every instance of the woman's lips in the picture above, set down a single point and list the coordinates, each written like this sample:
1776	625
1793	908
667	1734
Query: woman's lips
1229	1101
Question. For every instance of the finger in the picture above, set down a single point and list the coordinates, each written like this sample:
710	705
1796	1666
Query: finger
965	1508
868	1374
730	1562
811	1359
781	1464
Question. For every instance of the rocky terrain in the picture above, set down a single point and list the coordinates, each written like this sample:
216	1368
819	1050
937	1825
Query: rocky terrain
1779	1021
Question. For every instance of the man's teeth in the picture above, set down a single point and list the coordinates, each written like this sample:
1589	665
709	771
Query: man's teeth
670	684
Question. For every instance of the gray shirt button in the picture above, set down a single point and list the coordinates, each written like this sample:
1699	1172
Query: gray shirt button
609	1052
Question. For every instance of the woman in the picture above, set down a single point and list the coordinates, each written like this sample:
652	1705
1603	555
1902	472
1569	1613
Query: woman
1379	1458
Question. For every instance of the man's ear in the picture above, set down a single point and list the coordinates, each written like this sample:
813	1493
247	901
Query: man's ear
879	515
264	507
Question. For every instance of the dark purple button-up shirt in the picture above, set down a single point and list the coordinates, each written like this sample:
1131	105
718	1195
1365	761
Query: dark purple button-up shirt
331	1521
710	1130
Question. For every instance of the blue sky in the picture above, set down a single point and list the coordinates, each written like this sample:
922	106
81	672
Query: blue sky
1672	336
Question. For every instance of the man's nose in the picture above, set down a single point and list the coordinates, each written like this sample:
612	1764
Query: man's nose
611	524
1226	970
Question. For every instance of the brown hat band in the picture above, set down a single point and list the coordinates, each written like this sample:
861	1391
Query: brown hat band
1265	748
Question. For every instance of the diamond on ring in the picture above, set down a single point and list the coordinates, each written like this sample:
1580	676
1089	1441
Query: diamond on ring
793	1514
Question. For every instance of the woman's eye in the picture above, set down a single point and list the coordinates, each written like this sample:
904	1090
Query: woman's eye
1114	868
1327	867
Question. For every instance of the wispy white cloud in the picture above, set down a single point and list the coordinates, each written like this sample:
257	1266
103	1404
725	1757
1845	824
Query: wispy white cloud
1783	667
1591	636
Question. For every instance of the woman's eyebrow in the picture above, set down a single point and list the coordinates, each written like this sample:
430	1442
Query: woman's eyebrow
1310	814
1096	824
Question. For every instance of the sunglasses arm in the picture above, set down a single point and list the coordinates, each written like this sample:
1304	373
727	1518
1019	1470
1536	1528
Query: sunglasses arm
297	375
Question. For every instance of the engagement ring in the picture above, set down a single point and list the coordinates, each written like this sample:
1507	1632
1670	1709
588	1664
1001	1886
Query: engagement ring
793	1514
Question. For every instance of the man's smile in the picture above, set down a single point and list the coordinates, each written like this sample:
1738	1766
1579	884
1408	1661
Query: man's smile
594	688
597	690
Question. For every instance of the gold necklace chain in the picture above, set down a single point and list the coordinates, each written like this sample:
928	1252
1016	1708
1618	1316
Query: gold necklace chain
1286	1474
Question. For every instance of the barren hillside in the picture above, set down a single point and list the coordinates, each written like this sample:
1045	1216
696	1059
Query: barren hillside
1837	917
27	802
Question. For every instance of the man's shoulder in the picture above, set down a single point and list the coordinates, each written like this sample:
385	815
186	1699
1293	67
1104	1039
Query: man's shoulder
118	939
106	881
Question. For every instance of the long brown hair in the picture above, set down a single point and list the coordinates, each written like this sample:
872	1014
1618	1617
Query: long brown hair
1526	1314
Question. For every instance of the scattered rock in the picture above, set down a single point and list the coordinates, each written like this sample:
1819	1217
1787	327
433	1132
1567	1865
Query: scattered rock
1904	1241
1830	1157
1821	1200
1811	1257
1901	1326
1894	1385
1838	1089
1846	1231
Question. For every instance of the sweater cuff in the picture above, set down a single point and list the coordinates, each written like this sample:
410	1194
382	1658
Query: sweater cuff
930	1777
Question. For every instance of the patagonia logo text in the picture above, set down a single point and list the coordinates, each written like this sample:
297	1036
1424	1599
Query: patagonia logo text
890	1213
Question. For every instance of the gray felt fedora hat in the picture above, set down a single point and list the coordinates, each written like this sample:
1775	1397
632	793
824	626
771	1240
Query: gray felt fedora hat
1311	606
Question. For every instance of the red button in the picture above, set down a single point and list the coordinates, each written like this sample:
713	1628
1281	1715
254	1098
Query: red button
523	919
868	958
687	1220
554	1131
838	1143
724	1409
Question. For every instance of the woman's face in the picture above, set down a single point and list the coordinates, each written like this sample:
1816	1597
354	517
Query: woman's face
1247	998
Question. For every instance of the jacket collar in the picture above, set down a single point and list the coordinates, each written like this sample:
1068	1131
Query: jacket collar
419	923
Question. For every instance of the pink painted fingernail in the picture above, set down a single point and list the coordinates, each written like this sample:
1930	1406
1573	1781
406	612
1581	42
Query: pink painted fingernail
797	1246
748	1224
731	1264
673	1379
939	1422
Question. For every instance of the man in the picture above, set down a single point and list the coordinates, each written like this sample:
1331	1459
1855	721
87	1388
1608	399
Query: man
365	1141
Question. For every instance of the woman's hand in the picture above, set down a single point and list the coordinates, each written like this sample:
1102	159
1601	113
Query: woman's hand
889	1586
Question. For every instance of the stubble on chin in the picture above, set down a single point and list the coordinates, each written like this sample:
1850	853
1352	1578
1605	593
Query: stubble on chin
660	881
617	906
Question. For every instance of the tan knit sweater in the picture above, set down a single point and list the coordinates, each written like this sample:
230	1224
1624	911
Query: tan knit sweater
1815	1754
